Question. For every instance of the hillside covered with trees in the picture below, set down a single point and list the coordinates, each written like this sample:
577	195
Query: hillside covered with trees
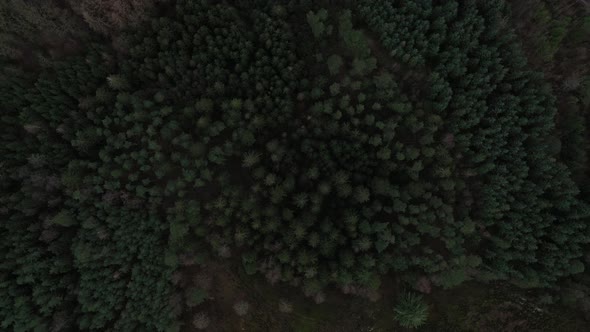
159	159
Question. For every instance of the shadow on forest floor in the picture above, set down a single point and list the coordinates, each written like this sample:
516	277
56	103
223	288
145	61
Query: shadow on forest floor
469	307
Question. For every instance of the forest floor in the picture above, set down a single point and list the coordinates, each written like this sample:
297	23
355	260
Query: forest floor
496	307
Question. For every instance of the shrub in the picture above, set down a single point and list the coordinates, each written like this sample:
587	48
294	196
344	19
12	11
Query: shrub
411	311
195	297
241	308
201	321
334	63
285	306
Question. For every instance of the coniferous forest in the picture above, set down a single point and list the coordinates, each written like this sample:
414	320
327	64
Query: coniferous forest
255	165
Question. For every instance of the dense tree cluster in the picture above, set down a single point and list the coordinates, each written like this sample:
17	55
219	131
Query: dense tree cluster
74	253
409	138
501	119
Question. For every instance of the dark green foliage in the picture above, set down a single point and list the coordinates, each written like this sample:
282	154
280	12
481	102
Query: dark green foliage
72	257
422	144
316	22
506	176
411	311
334	63
195	296
572	126
555	29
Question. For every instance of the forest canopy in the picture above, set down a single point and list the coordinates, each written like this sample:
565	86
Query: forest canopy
317	146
